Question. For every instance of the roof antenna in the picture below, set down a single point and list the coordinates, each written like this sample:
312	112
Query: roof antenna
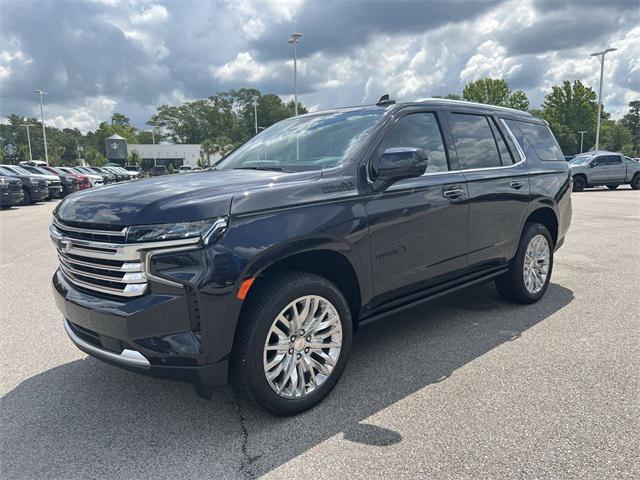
385	100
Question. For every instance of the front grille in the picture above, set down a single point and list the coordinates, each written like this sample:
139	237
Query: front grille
15	186
95	232
97	258
43	184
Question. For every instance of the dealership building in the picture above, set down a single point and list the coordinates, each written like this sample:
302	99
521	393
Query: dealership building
118	151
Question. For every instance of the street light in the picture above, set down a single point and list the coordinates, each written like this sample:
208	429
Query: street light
601	55
255	111
295	37
581	132
44	132
29	138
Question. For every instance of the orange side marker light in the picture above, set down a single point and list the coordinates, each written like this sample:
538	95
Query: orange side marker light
244	288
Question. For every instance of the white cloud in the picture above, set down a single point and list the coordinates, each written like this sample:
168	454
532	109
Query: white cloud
241	68
153	15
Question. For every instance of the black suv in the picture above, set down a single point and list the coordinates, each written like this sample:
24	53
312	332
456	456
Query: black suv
259	271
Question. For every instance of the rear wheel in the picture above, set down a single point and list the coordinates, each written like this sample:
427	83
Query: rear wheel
635	182
292	343
579	183
530	270
612	187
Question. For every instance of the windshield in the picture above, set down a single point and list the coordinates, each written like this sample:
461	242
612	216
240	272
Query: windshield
307	143
42	171
581	160
6	171
20	170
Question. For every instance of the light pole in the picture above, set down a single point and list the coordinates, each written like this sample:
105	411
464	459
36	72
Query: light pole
255	112
601	55
295	37
44	132
153	140
581	132
29	138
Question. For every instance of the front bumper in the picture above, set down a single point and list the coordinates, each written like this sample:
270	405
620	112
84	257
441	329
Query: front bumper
55	191
11	198
150	335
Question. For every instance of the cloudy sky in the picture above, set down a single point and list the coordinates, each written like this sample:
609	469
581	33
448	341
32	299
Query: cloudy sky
100	56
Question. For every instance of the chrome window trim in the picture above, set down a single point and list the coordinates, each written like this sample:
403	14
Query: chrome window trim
523	157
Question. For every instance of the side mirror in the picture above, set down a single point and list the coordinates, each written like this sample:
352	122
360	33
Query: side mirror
398	164
593	164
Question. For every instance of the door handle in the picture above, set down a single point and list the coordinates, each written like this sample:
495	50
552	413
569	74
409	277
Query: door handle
453	193
517	185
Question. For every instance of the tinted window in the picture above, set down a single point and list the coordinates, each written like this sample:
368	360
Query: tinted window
475	143
535	137
505	155
418	130
612	160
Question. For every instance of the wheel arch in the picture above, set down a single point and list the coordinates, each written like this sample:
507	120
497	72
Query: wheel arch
329	260
546	216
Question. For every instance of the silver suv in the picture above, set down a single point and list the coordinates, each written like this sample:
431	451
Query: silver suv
604	168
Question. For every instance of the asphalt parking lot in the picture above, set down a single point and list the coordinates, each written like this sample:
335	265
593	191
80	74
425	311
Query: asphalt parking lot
466	387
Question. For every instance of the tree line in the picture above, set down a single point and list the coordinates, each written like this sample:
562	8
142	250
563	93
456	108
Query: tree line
569	109
225	120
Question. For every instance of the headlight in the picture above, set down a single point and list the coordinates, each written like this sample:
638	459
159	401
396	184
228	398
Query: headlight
4	181
207	229
34	181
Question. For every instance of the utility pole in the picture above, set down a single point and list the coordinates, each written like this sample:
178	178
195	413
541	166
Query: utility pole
44	132
255	112
29	138
581	132
601	55
295	37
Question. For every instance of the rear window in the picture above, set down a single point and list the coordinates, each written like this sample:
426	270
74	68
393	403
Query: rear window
535	138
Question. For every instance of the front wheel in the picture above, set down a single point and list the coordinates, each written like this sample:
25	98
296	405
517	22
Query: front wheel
27	197
530	270
579	183
292	342
635	182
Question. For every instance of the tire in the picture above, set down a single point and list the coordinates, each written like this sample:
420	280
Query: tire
635	182
512	286
579	183
612	187
27	200
269	299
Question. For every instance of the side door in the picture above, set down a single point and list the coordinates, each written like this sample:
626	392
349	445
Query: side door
418	227
598	170
615	171
497	184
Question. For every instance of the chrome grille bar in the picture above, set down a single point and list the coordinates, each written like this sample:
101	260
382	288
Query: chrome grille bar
106	267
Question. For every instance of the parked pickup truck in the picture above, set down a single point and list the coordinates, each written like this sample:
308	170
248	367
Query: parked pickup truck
260	270
604	168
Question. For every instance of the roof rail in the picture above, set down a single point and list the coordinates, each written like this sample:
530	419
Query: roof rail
465	102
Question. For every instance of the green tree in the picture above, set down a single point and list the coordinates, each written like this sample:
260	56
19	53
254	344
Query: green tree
134	158
170	168
615	137
495	91
632	121
120	120
570	108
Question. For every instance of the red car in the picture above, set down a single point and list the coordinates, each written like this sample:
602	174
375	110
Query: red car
83	180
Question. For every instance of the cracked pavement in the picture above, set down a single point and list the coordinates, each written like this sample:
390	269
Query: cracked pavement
466	387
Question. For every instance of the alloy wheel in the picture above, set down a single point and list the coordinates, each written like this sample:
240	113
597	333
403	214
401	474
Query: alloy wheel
302	346
536	264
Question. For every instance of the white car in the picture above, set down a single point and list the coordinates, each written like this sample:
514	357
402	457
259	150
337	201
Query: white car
185	169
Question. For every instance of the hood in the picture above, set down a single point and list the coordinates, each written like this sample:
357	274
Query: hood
170	198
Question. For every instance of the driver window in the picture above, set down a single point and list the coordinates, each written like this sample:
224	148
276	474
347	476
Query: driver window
418	130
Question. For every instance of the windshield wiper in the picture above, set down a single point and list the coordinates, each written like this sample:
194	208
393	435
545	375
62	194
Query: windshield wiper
261	167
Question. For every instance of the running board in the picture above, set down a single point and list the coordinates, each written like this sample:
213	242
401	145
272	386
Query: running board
442	291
